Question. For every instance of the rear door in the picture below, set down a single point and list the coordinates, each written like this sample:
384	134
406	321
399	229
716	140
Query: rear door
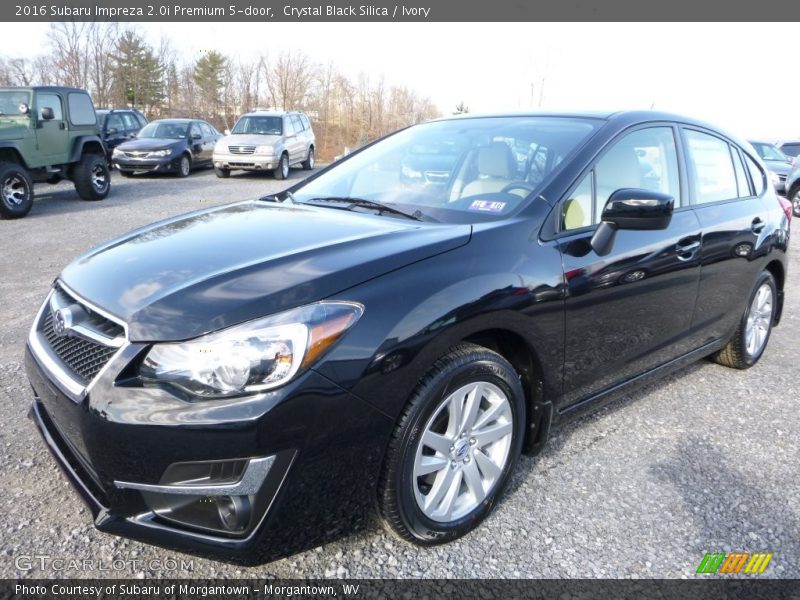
631	310
726	189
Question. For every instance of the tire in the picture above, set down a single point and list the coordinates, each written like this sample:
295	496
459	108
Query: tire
794	198
91	177
16	191
282	172
125	172
308	163
222	173
402	495
752	333
184	166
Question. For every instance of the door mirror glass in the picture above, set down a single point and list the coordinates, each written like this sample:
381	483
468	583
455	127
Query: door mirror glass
112	131
631	208
48	114
24	109
196	136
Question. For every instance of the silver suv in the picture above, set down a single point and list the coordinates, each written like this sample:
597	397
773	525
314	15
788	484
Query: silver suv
266	140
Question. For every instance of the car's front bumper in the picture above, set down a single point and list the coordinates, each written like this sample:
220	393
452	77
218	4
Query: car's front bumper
164	164
246	162
328	445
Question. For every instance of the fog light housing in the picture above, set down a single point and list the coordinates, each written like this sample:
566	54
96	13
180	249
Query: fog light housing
225	497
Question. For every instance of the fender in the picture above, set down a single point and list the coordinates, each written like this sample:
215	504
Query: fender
84	141
12	146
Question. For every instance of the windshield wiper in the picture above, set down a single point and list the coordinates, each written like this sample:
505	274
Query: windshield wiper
351	203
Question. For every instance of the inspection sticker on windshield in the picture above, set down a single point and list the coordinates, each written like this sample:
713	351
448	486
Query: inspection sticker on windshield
486	206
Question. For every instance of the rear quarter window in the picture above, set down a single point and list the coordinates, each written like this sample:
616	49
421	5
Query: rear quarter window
81	109
756	174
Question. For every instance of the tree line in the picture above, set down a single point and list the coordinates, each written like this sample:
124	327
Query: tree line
121	68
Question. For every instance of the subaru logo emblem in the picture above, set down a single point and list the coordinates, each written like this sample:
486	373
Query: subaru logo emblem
62	321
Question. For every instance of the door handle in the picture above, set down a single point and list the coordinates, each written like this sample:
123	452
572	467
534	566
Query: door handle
62	125
757	226
687	246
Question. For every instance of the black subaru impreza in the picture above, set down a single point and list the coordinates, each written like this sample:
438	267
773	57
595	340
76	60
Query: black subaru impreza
252	380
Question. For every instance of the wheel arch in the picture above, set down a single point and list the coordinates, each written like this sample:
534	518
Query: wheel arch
88	144
526	362
779	273
10	153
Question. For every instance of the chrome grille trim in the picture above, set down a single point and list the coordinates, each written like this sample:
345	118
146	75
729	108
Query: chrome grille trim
69	382
241	149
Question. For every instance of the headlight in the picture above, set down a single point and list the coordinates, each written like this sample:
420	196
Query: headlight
117	152
252	357
157	153
265	150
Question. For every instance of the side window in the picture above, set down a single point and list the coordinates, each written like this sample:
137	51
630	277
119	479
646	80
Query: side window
114	121
193	130
645	159
81	109
741	178
50	101
577	208
207	131
756	175
288	126
141	120
306	124
298	124
715	178
129	121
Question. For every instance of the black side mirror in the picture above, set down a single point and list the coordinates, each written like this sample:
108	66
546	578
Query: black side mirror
196	136
47	113
112	131
631	208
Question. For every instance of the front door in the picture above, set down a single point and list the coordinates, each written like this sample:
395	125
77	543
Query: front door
51	134
628	311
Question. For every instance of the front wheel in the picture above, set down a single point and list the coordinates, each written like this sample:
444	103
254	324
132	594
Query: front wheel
454	448
282	172
222	173
794	197
184	166
91	177
752	334
16	191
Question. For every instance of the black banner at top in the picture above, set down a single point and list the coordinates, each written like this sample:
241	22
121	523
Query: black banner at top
394	10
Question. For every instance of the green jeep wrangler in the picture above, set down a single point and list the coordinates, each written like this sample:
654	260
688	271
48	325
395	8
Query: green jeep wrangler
48	134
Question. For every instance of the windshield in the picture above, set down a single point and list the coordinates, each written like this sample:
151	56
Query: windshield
164	129
770	152
259	125
456	171
10	102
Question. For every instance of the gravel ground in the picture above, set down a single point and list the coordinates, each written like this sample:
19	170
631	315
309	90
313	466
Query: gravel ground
705	460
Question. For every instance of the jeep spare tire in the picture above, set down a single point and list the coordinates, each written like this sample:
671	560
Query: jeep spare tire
16	191
91	177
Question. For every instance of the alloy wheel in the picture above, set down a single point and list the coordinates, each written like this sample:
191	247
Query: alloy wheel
15	190
99	178
796	204
185	166
759	320
284	167
462	452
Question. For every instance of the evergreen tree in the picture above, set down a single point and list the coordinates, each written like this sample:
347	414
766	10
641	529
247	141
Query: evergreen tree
138	74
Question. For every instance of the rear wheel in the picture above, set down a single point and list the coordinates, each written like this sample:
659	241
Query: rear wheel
752	334
308	163
222	173
16	191
282	172
91	177
455	447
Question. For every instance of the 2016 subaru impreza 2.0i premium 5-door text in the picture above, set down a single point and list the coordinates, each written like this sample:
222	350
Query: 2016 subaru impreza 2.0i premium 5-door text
251	380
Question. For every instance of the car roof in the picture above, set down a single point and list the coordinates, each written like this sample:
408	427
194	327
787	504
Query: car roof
44	88
268	112
178	120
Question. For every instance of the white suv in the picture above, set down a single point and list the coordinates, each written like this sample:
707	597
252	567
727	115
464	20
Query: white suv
266	140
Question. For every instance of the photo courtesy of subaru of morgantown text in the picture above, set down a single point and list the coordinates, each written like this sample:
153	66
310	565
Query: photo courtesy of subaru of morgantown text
390	334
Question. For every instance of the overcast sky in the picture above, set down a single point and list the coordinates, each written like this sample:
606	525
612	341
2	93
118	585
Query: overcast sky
738	76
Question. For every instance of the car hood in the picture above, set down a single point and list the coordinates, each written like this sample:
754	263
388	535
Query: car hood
12	129
207	270
778	166
147	144
249	139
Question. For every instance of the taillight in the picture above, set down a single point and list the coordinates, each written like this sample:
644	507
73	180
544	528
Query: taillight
786	206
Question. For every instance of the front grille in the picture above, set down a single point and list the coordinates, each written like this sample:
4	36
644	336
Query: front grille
241	149
83	357
241	164
136	154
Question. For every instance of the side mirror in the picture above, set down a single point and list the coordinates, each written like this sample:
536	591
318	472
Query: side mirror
47	113
112	131
631	208
196	136
24	109
227	132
